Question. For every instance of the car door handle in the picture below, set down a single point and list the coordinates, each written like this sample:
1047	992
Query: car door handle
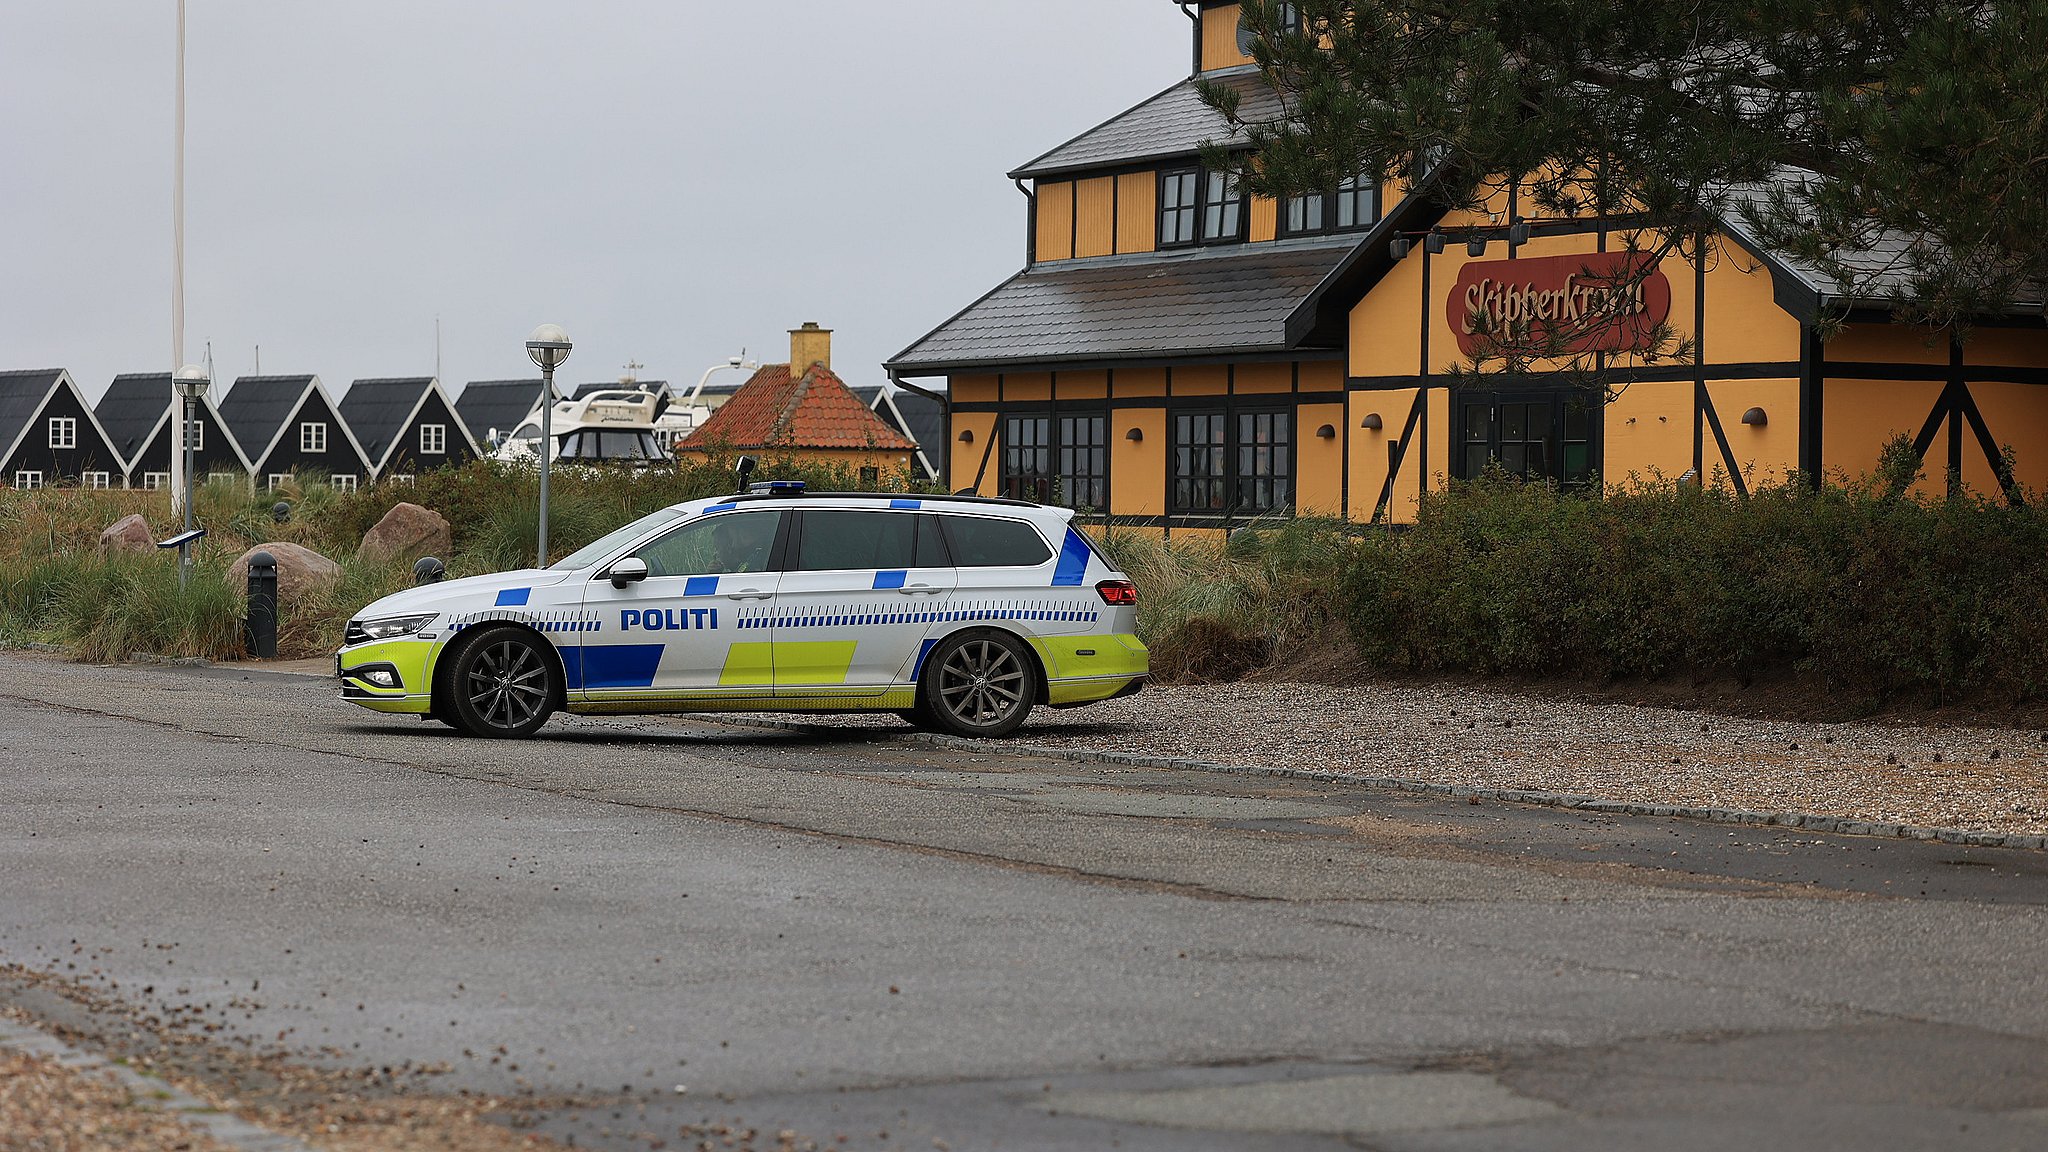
918	590
750	594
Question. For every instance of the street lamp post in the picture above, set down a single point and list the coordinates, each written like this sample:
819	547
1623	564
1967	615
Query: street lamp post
192	383
548	347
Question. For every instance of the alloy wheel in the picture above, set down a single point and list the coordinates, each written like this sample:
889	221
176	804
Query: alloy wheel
982	683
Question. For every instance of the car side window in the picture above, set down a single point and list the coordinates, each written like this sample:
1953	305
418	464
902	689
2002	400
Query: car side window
983	542
833	540
931	544
729	543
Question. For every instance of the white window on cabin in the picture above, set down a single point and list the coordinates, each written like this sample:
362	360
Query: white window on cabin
405	478
434	439
343	483
152	481
222	477
26	480
313	436
195	435
95	479
63	431
278	480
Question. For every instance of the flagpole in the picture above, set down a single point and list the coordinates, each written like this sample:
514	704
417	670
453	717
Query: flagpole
178	275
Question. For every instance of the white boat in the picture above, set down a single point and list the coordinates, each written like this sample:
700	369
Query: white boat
608	426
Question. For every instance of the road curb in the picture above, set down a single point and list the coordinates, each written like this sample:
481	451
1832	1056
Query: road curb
1812	822
151	1095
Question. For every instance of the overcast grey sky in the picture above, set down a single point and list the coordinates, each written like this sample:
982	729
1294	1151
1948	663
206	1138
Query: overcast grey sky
670	180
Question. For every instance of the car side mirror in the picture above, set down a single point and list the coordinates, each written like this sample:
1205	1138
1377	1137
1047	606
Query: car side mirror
631	570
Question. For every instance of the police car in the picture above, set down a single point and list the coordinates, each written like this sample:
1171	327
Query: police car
958	613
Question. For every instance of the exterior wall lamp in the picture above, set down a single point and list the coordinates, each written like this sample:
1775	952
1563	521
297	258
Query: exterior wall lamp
1756	418
1398	248
1476	246
1372	421
967	435
1327	432
1518	233
1135	435
1434	242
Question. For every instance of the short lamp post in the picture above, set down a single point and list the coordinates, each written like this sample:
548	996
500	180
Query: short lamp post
192	383
548	346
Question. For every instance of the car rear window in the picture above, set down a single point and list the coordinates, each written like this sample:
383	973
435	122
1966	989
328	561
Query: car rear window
836	540
981	542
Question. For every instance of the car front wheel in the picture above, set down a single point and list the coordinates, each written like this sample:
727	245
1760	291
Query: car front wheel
502	685
980	684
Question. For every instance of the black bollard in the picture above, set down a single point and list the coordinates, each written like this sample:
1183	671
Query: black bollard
281	512
263	606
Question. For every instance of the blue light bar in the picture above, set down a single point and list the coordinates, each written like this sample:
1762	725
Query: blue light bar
779	487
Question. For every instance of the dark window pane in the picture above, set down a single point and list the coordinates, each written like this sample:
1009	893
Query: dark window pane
1478	423
728	543
931	544
1476	456
1513	458
978	542
1514	422
836	540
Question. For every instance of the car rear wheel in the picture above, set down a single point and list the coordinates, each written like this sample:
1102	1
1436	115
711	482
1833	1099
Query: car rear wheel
982	684
502	685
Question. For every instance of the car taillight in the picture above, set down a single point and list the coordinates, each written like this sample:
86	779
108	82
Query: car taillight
1117	592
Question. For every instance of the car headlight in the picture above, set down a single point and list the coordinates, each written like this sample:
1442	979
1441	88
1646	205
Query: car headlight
390	627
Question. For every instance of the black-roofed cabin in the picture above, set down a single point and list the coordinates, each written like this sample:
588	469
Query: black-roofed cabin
493	409
921	418
407	426
137	413
293	433
1179	355
49	435
1159	292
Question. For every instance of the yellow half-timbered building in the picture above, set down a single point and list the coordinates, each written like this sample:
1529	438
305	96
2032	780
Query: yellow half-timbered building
1177	354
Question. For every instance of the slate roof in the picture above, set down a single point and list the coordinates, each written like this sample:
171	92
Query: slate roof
500	404
1173	123
376	410
131	408
816	410
1203	301
257	406
21	397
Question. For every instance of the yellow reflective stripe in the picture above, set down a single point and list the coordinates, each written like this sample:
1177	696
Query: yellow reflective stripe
1092	656
748	666
813	662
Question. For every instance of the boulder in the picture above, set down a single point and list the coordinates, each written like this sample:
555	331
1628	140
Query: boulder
128	534
407	532
300	570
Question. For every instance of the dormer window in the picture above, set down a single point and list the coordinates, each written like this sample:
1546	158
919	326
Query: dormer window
313	436
1200	207
1353	207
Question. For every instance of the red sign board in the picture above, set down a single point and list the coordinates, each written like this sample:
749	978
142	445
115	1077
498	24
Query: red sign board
1597	302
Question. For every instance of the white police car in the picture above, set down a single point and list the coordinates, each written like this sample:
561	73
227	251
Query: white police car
958	613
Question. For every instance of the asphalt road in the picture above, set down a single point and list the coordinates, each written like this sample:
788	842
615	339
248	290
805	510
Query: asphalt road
843	937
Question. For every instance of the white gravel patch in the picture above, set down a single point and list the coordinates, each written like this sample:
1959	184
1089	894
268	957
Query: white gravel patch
1980	779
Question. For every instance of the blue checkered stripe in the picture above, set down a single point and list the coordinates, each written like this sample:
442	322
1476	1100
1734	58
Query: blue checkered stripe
882	615
550	623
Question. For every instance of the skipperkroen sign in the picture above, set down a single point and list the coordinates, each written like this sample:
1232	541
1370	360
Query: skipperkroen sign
1595	302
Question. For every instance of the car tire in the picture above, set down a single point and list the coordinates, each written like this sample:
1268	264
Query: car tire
979	684
502	685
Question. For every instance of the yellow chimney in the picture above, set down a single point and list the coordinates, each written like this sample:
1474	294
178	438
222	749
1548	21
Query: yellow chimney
809	345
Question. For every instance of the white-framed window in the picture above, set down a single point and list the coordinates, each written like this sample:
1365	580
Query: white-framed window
343	483
405	478
152	481
434	439
222	477
195	435
26	479
63	431
279	480
313	436
95	479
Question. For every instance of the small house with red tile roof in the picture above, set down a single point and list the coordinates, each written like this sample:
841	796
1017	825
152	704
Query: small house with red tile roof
803	411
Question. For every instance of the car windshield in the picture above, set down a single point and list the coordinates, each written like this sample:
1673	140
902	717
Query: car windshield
612	541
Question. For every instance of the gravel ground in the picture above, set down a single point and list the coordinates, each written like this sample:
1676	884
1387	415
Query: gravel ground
1981	779
46	1107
